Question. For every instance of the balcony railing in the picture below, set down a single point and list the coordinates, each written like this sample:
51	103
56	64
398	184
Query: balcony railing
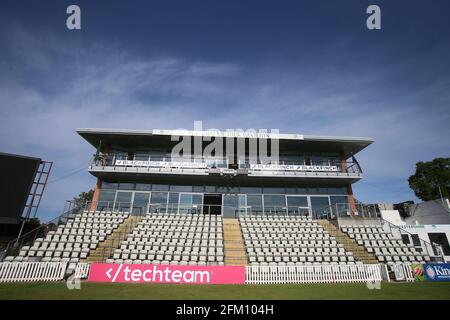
325	167
157	161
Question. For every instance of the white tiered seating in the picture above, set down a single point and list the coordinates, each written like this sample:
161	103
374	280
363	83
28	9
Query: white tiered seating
73	240
284	240
386	246
184	239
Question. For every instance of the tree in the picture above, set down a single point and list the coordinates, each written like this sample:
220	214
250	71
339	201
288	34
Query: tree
84	197
429	177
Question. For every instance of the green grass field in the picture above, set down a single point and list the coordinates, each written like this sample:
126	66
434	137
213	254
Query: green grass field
59	290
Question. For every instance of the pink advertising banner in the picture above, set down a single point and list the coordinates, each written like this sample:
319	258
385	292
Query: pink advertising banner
149	273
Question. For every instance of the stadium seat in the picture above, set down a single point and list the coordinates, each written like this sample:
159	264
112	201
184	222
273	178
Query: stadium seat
386	246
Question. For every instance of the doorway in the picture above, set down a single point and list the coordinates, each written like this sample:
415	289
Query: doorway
212	203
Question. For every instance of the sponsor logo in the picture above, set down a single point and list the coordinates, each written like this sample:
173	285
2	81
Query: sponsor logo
437	271
147	273
418	272
430	272
264	167
161	164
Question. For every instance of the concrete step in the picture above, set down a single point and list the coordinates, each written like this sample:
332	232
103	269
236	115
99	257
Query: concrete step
233	242
349	244
106	248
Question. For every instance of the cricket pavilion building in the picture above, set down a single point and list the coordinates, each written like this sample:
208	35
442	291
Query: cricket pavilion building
307	175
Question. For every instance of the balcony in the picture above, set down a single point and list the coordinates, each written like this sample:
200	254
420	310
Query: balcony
119	165
297	169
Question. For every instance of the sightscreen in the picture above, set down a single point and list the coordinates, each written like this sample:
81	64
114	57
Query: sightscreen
16	179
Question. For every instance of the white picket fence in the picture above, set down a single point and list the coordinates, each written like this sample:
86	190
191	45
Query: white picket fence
54	271
82	270
313	274
32	271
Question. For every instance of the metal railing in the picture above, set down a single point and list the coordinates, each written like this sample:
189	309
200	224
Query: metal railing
342	167
106	206
361	214
71	209
430	249
326	212
109	160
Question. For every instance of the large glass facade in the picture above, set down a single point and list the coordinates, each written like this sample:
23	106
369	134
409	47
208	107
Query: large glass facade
143	198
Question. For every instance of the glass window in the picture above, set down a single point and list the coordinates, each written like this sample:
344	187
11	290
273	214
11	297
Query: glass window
338	199
160	187
126	186
158	202
123	201
211	189
234	204
110	185
190	203
254	200
140	202
294	201
320	207
124	196
292	191
141	198
197	199
342	190
298	205
107	195
198	188
317	191
339	205
143	186
106	200
181	188
173	202
274	204
226	190
173	197
159	197
255	203
230	205
274	190
185	199
274	200
251	190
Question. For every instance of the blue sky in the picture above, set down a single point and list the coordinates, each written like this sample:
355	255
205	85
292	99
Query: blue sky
308	67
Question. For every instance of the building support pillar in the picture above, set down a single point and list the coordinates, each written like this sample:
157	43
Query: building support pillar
351	199
98	187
